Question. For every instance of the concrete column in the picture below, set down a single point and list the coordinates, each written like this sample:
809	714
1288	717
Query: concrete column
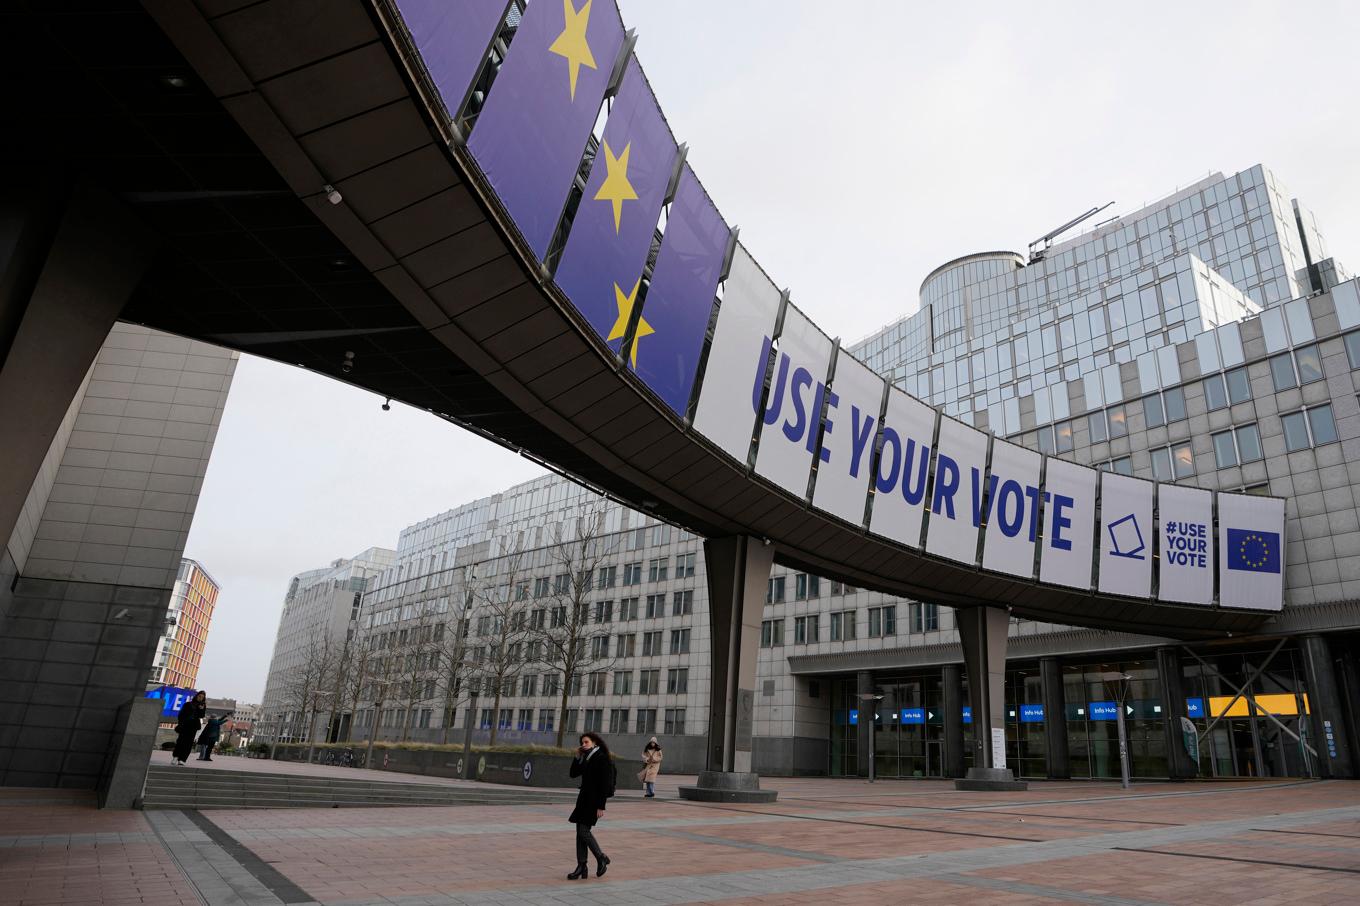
982	631
1179	764
1055	718
1329	735
88	270
738	572
864	685
952	680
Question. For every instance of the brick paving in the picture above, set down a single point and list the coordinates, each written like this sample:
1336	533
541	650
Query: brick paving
844	840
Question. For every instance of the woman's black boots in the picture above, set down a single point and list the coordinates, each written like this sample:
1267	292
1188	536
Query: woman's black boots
601	865
582	871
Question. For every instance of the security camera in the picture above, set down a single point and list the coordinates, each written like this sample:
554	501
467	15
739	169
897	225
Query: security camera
348	364
332	194
387	406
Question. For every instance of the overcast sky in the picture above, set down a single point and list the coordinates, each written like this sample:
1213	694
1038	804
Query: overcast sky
857	147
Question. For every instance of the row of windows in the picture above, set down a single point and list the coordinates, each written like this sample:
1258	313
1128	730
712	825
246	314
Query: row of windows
804	587
807	629
509	719
682	604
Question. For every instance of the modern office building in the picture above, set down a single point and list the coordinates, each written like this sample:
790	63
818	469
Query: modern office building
317	623
89	572
180	649
1206	339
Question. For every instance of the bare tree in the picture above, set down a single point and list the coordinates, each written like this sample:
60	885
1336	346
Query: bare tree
355	668
563	635
410	665
452	653
307	682
502	629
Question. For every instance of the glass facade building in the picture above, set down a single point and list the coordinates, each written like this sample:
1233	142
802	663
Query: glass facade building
1207	338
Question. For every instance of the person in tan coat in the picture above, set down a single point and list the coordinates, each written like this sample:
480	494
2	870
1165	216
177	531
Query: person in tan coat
651	758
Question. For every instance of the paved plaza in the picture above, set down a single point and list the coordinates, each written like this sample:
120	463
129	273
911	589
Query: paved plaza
824	839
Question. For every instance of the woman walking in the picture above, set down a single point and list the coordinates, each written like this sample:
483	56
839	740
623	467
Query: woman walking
651	758
187	724
596	770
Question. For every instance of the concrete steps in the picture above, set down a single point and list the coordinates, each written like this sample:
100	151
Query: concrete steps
189	788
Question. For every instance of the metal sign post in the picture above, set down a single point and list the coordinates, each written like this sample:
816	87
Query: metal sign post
870	700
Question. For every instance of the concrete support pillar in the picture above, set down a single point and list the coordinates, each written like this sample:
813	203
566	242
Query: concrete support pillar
864	685
1055	718
1179	764
738	570
982	631
1329	737
951	677
59	302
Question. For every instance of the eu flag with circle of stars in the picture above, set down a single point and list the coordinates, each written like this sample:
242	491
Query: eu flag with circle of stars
601	267
529	137
452	37
1254	551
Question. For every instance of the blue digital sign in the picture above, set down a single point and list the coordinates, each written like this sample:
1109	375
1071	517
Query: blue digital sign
1103	711
967	714
913	715
854	716
1031	714
172	699
1194	707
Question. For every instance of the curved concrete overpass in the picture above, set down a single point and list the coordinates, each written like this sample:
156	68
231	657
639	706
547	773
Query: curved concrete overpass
335	186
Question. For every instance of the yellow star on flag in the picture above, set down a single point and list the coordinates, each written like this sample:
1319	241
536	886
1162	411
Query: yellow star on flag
625	304
571	44
616	188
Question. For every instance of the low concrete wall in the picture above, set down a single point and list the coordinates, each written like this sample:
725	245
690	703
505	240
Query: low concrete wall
514	768
124	775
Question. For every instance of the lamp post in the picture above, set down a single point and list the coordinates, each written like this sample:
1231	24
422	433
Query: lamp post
1123	692
311	727
377	717
871	700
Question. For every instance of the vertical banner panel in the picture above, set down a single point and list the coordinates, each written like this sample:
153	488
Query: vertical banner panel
737	357
1125	535
452	37
601	267
908	434
529	137
793	409
680	299
1011	510
848	441
1186	566
1069	524
956	501
1251	560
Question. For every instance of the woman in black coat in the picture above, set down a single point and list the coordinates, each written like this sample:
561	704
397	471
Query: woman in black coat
186	726
596	770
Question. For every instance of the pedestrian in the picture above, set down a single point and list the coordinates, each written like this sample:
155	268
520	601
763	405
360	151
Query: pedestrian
187	724
651	758
207	740
594	765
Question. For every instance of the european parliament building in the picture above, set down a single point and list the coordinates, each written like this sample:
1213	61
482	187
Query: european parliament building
1208	339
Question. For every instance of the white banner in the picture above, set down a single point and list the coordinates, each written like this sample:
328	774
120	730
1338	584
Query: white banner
904	460
726	414
1251	538
956	501
1186	525
1012	510
793	409
1125	535
847	455
1069	524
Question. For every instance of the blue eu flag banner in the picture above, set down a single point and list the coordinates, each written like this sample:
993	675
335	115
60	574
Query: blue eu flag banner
529	138
680	299
1253	550
601	268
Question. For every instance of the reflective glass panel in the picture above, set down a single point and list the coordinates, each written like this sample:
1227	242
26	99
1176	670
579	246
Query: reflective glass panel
1324	428
1183	460
1249	443
1225	454
1153	416
1295	431
1239	391
1174	401
1161	464
1310	364
1119	426
1095	423
1215	396
1282	372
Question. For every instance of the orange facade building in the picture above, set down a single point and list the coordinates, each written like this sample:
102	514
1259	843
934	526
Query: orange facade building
186	627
